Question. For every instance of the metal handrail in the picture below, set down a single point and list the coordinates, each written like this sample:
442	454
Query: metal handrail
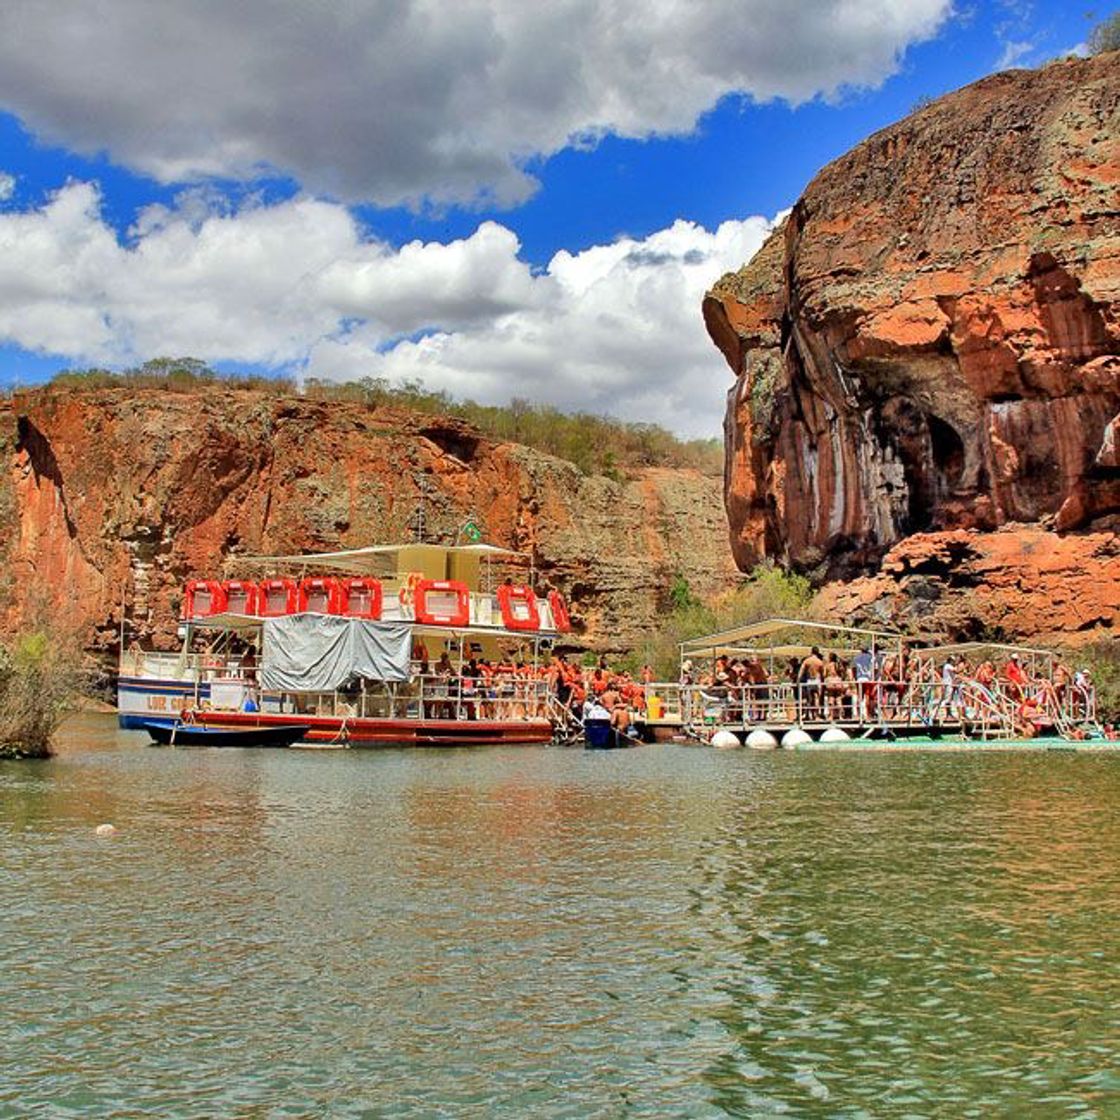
913	705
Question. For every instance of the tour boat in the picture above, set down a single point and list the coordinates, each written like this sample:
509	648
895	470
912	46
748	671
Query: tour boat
418	644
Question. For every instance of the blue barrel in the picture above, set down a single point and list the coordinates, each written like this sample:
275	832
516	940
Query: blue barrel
597	733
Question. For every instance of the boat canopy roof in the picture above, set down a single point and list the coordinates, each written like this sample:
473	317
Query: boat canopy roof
227	620
764	636
374	560
968	648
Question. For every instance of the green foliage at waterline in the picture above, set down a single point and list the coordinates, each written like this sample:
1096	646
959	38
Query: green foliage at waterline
768	592
40	676
1102	659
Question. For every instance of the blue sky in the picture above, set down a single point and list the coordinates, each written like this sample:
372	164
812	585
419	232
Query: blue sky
495	199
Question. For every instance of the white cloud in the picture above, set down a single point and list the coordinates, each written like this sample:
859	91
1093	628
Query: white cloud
404	100
7	186
615	328
1014	51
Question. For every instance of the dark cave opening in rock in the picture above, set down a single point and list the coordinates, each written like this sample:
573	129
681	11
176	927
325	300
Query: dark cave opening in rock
935	474
932	456
948	453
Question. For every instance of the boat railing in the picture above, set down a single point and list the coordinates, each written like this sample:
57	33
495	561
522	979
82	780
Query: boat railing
910	704
427	696
665	702
183	665
500	697
155	663
992	710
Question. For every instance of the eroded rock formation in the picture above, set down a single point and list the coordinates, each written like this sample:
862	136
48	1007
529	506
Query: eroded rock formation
1019	583
120	495
930	341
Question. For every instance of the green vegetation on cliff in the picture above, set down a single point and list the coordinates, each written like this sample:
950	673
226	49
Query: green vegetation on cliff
1106	35
595	444
768	592
1103	660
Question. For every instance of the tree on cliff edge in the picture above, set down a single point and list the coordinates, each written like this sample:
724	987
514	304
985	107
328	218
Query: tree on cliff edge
1105	36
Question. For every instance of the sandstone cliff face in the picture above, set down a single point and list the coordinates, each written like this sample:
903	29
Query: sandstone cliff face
122	494
931	340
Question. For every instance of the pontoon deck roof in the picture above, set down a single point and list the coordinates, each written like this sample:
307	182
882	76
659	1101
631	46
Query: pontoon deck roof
746	638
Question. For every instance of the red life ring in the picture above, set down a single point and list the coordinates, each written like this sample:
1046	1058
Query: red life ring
443	602
560	617
519	607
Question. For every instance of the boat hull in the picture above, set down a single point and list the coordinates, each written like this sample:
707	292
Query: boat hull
366	732
143	700
206	735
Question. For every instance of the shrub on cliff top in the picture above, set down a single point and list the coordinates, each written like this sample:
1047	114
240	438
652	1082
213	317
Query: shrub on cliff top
176	375
39	677
1105	36
594	444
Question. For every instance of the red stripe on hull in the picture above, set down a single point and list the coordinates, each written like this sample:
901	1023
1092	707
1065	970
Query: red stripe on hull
392	732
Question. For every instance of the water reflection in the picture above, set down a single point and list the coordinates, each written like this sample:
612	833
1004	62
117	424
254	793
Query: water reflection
551	932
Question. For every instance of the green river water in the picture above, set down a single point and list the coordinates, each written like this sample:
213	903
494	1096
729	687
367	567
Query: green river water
548	932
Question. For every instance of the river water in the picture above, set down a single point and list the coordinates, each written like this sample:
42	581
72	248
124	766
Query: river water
549	932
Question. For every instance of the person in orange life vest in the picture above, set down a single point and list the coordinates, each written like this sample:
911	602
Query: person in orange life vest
503	683
1015	676
420	654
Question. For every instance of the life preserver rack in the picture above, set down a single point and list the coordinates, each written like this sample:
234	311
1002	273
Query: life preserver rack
442	602
202	598
242	596
362	597
278	597
560	617
518	605
321	594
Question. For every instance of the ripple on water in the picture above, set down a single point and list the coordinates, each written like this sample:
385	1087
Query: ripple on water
551	933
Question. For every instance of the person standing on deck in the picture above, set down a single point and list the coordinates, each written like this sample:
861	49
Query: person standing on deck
950	688
863	668
810	677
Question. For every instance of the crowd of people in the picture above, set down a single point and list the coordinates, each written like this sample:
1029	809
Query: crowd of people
514	689
891	685
821	686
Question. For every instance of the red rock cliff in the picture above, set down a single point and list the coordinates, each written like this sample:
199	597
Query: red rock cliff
930	341
125	493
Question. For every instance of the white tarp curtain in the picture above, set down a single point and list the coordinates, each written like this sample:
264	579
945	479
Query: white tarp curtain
319	652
